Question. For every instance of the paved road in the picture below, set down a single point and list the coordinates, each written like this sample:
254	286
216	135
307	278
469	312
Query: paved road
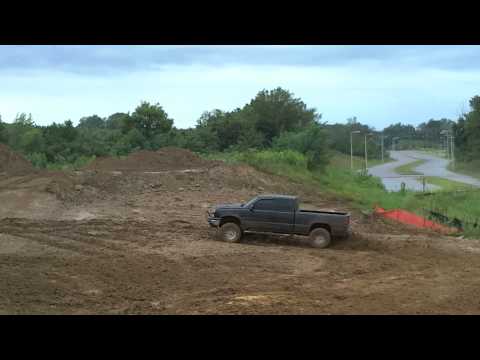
434	166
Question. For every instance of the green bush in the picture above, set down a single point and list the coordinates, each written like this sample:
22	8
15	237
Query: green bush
310	142
38	160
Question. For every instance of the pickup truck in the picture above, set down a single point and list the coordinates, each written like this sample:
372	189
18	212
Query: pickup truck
278	214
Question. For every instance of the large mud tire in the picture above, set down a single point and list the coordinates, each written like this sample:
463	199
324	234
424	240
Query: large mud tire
230	232
320	238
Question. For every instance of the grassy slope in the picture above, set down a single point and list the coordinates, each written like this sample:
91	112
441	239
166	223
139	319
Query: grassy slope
448	185
342	160
471	169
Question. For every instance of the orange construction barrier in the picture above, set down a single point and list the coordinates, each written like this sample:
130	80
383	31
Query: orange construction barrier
409	218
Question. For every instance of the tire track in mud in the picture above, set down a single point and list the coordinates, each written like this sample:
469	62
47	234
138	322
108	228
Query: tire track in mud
89	237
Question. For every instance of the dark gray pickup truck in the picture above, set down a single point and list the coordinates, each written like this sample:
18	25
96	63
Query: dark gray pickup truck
278	214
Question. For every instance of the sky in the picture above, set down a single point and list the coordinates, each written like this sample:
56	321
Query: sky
380	85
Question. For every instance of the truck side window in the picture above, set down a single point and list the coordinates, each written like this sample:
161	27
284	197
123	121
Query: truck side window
284	205
274	205
264	205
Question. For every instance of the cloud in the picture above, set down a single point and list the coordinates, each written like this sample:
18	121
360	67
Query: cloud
100	60
378	84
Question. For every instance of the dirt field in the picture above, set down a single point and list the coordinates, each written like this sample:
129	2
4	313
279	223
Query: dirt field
135	241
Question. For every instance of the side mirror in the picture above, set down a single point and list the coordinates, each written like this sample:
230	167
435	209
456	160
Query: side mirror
250	208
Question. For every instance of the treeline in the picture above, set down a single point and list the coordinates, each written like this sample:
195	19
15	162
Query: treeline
273	119
467	133
434	133
426	135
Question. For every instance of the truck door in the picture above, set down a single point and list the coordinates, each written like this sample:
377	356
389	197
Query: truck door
273	215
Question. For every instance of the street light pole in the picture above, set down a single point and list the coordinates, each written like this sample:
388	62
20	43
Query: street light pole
351	151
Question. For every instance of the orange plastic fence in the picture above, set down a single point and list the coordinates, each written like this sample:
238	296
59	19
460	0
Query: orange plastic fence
409	218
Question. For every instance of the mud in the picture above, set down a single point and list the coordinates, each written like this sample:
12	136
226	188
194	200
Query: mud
167	158
12	162
137	242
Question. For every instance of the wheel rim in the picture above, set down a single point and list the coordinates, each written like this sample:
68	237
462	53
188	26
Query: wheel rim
230	235
320	240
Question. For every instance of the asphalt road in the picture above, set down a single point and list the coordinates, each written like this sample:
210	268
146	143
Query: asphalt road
434	166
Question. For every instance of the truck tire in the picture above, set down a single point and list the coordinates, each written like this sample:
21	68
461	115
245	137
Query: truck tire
320	238
230	232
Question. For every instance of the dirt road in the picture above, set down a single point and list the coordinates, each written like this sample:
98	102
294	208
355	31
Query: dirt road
433	166
136	243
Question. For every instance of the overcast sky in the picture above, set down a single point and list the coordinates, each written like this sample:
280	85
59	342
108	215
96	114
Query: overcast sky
379	85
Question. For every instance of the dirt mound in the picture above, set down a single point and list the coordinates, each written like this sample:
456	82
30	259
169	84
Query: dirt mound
13	163
168	158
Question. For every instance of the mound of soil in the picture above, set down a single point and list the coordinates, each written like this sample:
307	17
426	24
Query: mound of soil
13	163
168	158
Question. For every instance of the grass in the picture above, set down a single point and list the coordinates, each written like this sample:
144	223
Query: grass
79	163
471	168
343	161
407	169
447	185
455	200
432	151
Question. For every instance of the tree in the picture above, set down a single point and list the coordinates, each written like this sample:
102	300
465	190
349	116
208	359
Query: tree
93	121
60	141
471	128
21	124
120	121
338	138
32	141
406	133
151	120
23	120
3	132
273	112
430	132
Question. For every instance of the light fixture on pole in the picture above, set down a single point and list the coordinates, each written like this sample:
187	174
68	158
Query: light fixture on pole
351	147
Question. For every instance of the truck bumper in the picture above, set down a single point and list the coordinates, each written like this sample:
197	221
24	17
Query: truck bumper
347	233
343	233
214	222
